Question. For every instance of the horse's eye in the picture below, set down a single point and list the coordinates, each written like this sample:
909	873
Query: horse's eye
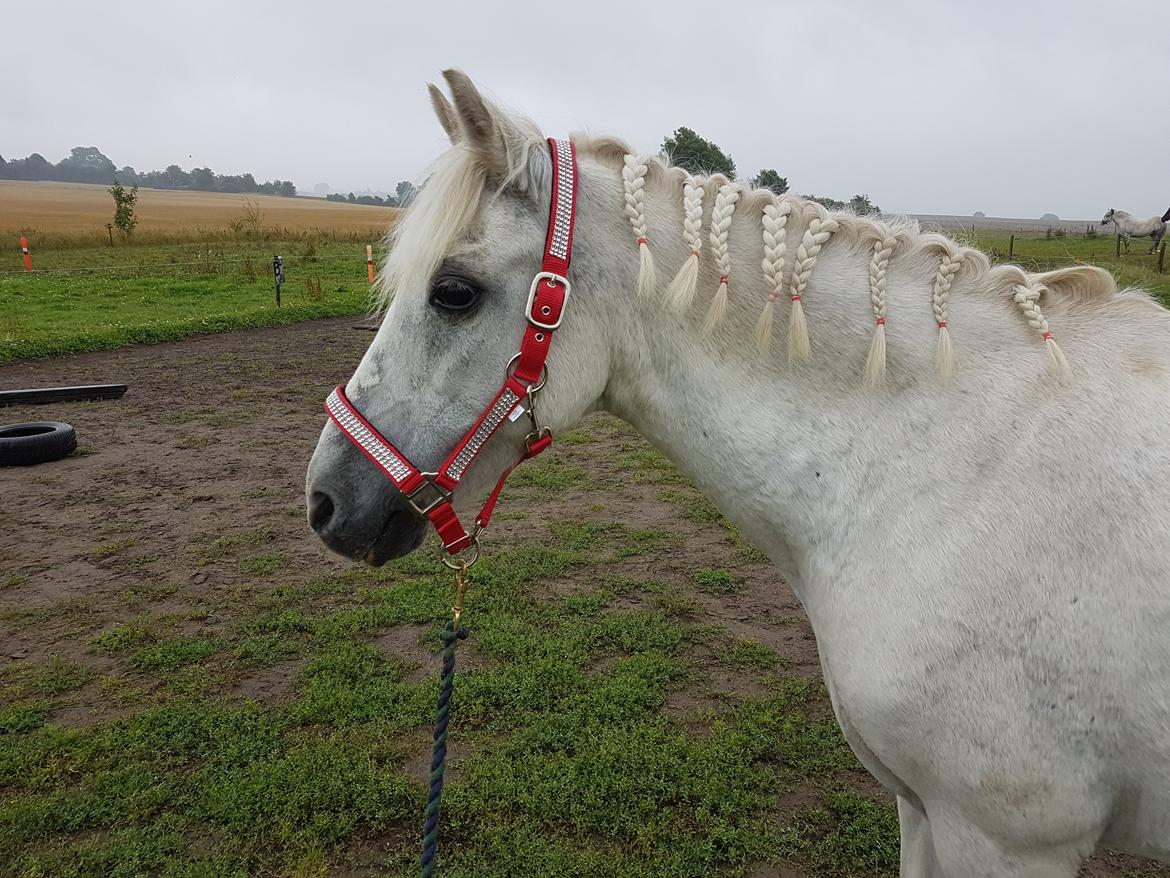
454	294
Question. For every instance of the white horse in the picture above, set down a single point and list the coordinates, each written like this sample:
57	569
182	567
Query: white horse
1128	227
981	539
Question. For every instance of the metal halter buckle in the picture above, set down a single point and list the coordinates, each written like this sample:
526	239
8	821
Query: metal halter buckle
443	496
553	280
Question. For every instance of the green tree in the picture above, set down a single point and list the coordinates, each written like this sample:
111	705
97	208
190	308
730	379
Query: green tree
769	179
203	179
696	154
830	203
404	192
86	164
124	202
862	206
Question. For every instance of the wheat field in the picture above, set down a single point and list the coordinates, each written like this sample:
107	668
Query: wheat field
82	207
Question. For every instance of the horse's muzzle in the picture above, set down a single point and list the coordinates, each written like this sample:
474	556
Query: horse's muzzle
354	513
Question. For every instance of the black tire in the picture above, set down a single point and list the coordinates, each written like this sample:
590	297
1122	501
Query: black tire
35	442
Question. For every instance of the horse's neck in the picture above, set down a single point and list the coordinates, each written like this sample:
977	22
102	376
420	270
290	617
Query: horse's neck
797	455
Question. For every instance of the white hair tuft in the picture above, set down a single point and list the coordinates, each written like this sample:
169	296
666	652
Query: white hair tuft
775	223
634	170
944	356
681	291
1027	298
819	229
875	363
721	213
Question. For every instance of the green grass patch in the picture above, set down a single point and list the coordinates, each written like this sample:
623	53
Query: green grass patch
863	837
548	472
715	581
261	565
49	314
172	653
744	653
107	549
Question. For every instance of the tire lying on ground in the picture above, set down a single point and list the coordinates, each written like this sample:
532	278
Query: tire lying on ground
35	442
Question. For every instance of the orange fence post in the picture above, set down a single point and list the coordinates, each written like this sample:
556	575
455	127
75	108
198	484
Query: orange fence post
370	263
24	251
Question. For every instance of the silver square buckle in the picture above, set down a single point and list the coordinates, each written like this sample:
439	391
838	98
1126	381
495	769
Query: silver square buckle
441	497
553	280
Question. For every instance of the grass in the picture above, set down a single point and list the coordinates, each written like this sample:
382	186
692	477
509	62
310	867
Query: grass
567	761
227	288
1040	253
170	282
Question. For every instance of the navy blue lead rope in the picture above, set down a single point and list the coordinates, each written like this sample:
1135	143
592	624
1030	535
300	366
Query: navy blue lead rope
450	638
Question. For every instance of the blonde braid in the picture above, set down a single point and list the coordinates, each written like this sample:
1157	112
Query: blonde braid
721	213
820	228
634	186
875	363
1027	298
944	357
681	291
775	223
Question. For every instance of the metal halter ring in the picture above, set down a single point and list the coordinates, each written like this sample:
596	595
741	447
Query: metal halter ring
457	561
532	388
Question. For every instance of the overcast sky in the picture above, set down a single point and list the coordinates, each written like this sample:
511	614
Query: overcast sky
1013	108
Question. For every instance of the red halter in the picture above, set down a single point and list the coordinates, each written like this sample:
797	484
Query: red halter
429	494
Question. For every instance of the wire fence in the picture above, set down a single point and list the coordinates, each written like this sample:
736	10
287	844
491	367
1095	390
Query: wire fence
328	267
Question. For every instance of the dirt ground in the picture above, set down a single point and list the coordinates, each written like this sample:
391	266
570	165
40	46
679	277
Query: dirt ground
208	449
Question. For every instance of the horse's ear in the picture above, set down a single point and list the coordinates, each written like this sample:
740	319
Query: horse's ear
445	112
483	128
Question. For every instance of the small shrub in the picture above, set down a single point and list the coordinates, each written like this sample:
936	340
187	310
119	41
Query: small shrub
250	220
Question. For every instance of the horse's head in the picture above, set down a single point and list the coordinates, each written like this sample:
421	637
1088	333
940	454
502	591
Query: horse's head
456	280
1108	218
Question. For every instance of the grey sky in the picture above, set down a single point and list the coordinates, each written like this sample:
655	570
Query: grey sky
1012	108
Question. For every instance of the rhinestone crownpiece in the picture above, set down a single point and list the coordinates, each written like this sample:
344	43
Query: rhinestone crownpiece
495	415
360	434
564	206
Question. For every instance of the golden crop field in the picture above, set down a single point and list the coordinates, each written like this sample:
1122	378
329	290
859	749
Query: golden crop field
83	207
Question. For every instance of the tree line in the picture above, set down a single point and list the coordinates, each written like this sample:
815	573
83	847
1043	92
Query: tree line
403	192
87	164
701	156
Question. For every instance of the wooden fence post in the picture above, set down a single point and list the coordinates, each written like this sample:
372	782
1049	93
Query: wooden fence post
1118	245
1162	258
1011	246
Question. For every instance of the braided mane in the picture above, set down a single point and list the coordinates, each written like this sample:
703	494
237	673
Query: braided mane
888	239
792	230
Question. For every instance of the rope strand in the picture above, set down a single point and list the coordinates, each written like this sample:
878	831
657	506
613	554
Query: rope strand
450	639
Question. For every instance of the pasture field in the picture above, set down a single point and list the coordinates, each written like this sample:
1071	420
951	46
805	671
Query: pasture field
156	292
1035	252
186	271
191	686
83	209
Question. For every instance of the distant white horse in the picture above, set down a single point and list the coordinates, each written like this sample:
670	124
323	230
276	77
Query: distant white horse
1128	227
981	539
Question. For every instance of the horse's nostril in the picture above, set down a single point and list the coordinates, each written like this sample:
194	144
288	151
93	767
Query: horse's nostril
320	510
